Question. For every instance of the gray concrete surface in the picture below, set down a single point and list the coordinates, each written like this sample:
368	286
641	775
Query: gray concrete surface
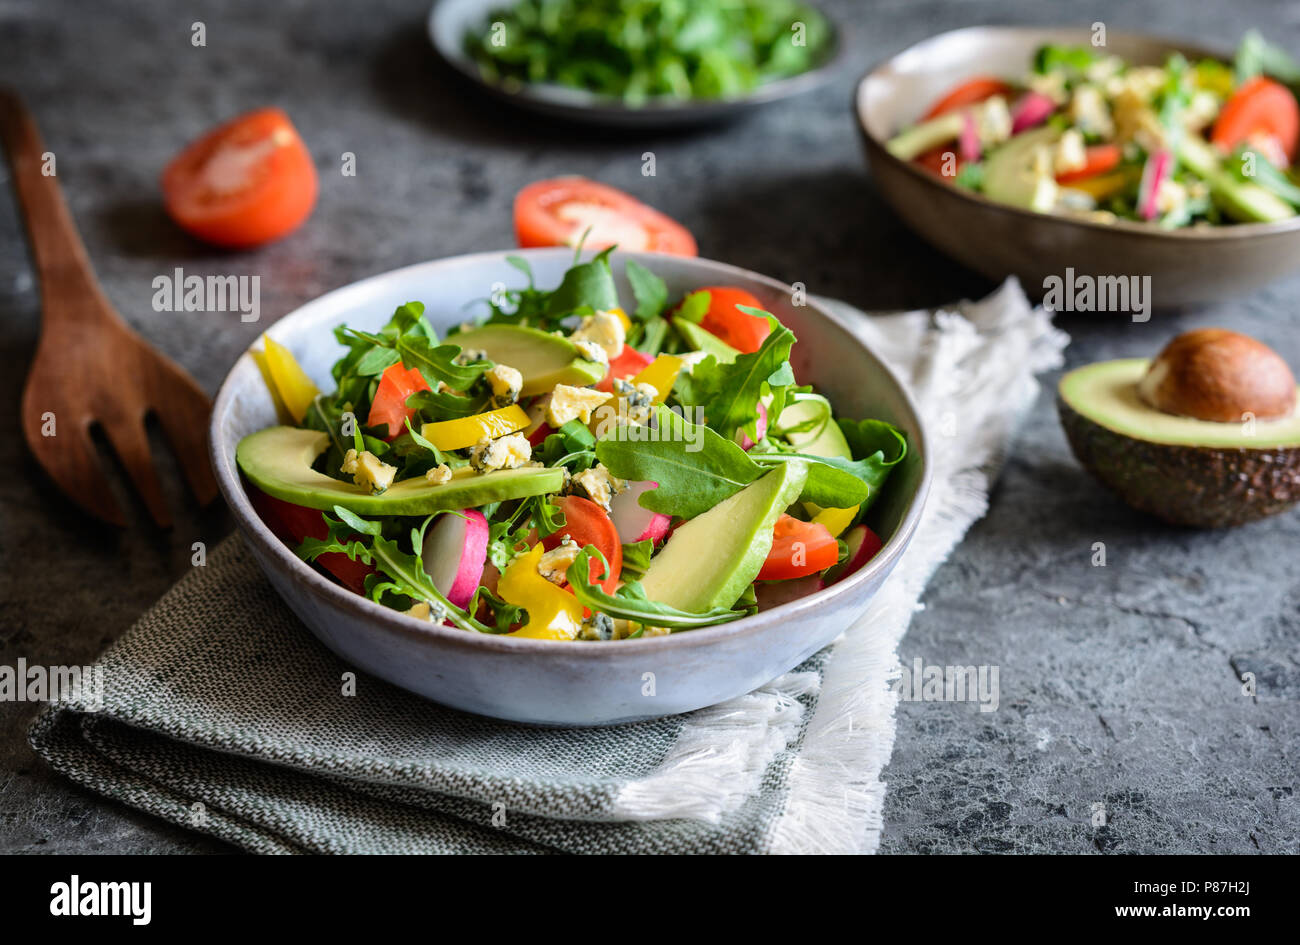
1119	685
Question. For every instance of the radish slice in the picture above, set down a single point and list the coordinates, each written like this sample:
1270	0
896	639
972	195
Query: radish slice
1032	110
1154	173
775	593
632	520
863	544
969	140
760	427
454	552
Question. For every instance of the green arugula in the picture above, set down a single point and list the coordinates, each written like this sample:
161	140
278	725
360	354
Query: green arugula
586	286
650	292
636	557
730	393
629	602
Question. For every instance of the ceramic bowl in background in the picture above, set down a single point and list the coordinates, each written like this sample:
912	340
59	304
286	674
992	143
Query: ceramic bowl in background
1186	266
546	682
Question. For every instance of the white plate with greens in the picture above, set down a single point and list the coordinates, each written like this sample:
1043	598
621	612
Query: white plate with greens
609	62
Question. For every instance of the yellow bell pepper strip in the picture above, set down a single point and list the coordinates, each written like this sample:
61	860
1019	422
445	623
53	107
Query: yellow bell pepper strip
835	520
295	388
661	374
1103	185
281	411
553	614
465	432
622	317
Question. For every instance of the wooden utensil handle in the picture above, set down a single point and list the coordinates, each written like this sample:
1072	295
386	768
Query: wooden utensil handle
62	265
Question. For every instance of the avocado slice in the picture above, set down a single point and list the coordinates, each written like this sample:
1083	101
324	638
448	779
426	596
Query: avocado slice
542	358
710	560
1241	200
1010	176
928	134
1185	471
706	341
828	441
278	460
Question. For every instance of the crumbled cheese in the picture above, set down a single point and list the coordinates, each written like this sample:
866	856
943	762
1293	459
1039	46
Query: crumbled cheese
604	329
470	355
993	121
597	627
425	610
572	403
1051	84
656	631
506	383
439	474
1170	196
599	485
1103	69
691	360
368	471
1089	112
1201	111
1070	153
635	401
505	452
1140	84
554	564
592	351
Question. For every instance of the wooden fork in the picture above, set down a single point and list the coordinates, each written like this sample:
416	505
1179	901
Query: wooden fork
90	369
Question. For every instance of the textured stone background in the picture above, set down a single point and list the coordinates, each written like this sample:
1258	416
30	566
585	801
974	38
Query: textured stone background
1118	685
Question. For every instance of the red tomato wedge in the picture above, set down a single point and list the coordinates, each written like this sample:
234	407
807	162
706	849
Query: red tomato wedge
970	92
1099	158
389	406
557	212
628	364
798	549
742	331
1260	108
292	523
244	183
588	524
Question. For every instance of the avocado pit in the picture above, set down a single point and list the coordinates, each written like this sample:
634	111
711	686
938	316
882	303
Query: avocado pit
1219	376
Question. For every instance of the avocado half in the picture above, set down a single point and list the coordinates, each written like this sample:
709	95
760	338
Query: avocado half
1186	471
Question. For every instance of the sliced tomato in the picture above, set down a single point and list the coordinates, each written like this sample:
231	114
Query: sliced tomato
588	524
1260	108
628	364
936	161
292	523
970	92
742	331
389	406
798	549
244	183
558	212
1098	159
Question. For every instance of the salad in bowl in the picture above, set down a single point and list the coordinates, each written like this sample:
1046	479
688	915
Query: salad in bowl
570	467
1088	134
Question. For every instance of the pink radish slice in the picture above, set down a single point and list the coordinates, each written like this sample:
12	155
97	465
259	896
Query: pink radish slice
1159	164
1032	110
632	520
775	593
863	544
969	140
760	427
454	552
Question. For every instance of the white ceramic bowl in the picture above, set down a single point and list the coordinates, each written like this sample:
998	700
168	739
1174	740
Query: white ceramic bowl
545	682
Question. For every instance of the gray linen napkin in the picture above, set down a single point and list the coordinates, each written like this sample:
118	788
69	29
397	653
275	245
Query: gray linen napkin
220	712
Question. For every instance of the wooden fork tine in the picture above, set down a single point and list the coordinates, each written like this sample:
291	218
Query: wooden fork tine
182	411
131	444
73	463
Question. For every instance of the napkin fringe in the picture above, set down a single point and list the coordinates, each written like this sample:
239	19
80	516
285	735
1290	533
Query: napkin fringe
720	755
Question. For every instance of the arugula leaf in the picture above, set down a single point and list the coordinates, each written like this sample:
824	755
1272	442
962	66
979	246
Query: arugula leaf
438	363
444	405
877	448
695	467
630	602
1256	56
730	393
832	482
587	285
636	557
650	291
653	335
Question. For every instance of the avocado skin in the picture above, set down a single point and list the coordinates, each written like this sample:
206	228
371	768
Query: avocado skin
1198	486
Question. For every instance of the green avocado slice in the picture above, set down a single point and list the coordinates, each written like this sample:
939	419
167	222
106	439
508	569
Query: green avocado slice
710	560
1009	173
278	460
1186	471
828	441
702	340
542	358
